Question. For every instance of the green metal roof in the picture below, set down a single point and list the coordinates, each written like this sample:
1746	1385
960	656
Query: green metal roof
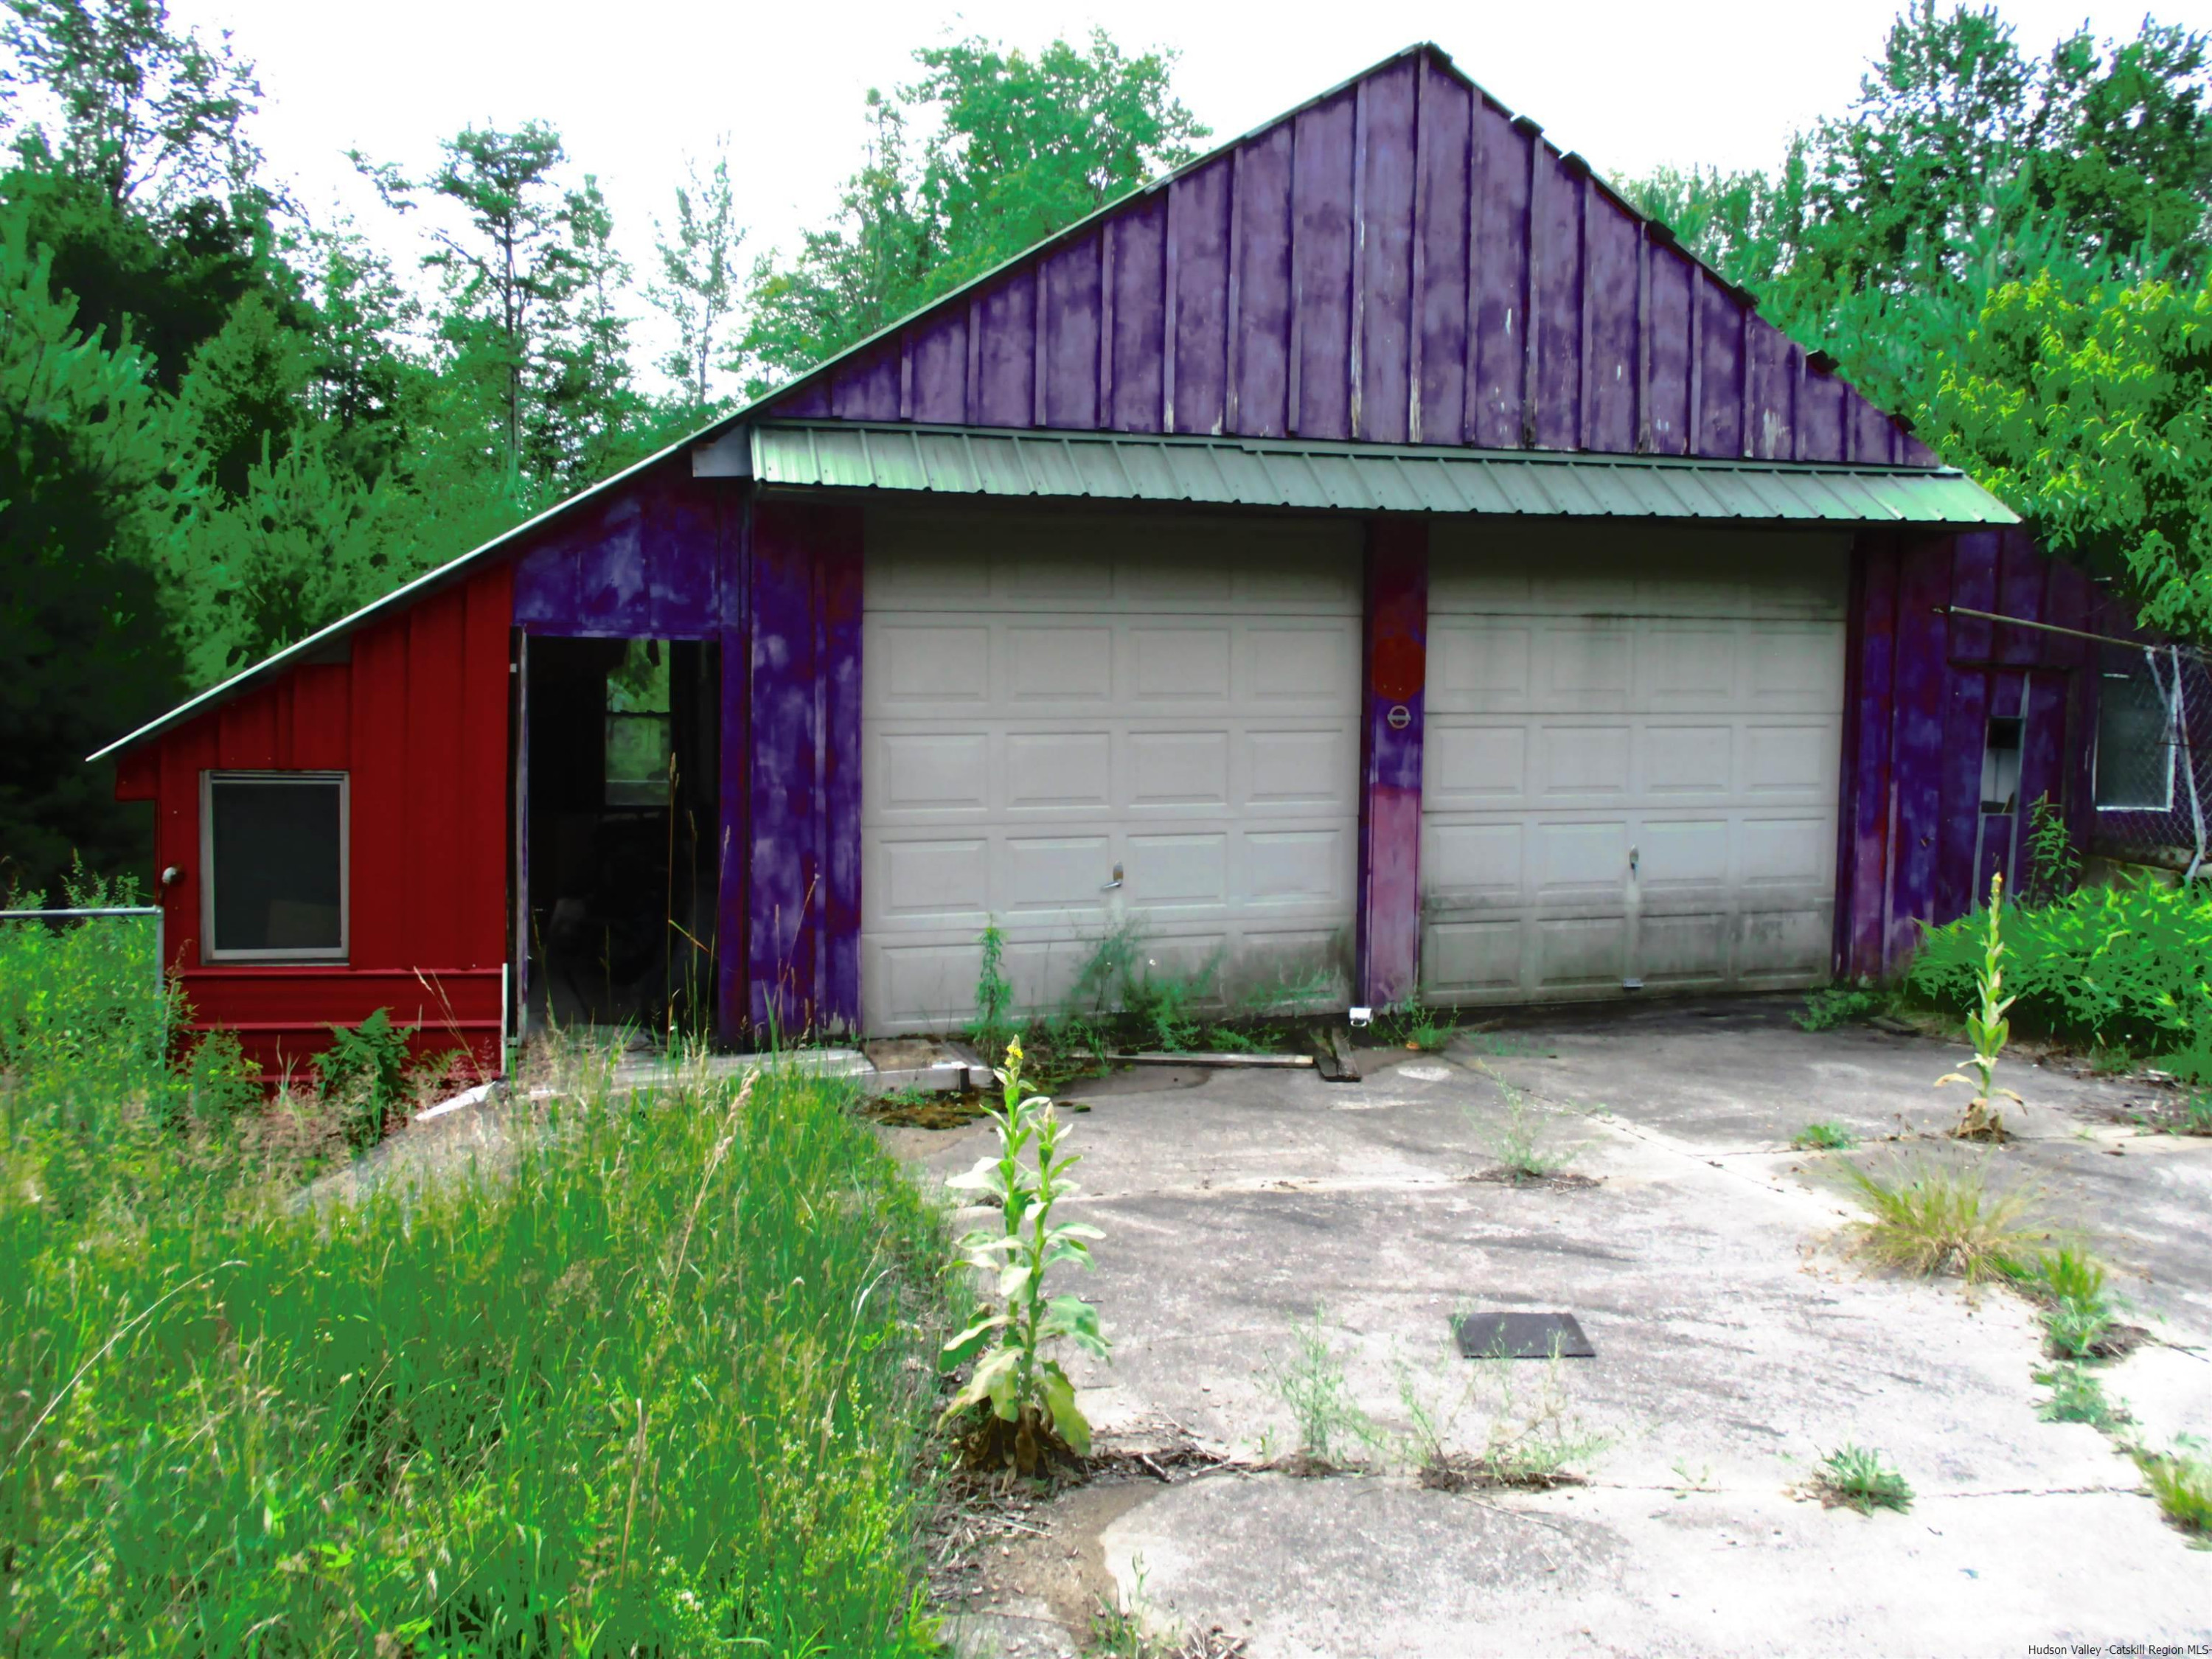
1355	477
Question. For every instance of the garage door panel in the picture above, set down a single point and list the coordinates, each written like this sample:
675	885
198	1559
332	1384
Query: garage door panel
1312	768
946	880
1580	953
1183	708
1178	872
1184	664
1472	860
1302	666
1058	770
1050	872
929	771
1687	760
1474	958
1579	763
1298	866
931	664
1062	665
1473	767
1682	853
1573	858
1179	769
1698	722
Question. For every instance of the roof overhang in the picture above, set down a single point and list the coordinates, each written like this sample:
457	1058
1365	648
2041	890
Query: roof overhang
1348	478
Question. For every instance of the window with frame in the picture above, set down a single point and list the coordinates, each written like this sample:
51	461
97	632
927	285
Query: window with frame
273	866
2134	736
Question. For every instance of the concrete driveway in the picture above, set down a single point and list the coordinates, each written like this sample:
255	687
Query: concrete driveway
1736	1346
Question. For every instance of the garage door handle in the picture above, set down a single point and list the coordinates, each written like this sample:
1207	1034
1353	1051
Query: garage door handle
1116	882
1633	861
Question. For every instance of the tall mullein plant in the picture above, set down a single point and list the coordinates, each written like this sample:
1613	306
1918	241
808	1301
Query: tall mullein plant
1989	1029
1030	1401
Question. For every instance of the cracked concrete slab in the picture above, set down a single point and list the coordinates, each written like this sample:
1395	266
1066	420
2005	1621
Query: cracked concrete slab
1736	1342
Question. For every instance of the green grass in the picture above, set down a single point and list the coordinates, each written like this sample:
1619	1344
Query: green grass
662	1388
1840	1005
2077	1395
2181	1481
1939	1220
1824	1138
1858	1478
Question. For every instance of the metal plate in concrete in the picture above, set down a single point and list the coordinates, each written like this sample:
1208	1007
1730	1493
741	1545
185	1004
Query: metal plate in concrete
1522	1336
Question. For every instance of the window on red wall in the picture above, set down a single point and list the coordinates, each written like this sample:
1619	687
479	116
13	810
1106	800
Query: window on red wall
273	866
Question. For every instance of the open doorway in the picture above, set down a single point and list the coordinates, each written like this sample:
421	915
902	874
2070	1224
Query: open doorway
621	798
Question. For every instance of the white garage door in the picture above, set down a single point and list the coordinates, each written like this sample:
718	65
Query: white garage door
1053	702
1632	760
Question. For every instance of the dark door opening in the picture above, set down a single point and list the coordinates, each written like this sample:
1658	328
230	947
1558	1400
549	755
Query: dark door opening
623	804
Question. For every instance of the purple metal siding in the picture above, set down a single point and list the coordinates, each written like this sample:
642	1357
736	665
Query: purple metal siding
1399	260
1917	846
1395	663
644	564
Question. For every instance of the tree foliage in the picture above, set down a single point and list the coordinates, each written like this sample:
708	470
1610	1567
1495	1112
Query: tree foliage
2012	252
698	284
1017	147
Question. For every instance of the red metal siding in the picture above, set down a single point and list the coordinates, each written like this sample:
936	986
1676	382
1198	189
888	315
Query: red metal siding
418	719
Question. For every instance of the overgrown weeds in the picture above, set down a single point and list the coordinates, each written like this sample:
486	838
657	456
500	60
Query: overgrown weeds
1531	1436
1824	1138
1858	1477
1528	1142
660	1388
1415	1025
1942	1220
2077	1395
1309	1383
1841	1005
2068	1284
2181	1480
993	1026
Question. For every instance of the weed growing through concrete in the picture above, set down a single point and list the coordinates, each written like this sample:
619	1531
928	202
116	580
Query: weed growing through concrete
1030	1403
1687	1483
2077	1395
1824	1138
1328	1421
1534	1438
1989	1029
2181	1481
1526	1144
1840	1005
1857	1478
991	1029
1413	1025
1939	1220
2076	1312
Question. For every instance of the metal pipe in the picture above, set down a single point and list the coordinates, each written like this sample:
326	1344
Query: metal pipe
2053	628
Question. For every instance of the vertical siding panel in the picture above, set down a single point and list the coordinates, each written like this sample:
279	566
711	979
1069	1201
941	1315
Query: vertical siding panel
939	351
482	774
2023	575
1070	375
1769	403
734	887
1614	280
1140	314
783	871
430	817
1006	352
377	901
1320	198
1966	722
1262	206
1441	299
1925	585
1720	373
1872	722
1820	416
1383	342
1500	230
840	541
1557	329
867	389
1667	327
1394	656
1199	213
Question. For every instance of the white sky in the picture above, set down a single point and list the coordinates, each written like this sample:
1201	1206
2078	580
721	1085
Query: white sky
635	88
